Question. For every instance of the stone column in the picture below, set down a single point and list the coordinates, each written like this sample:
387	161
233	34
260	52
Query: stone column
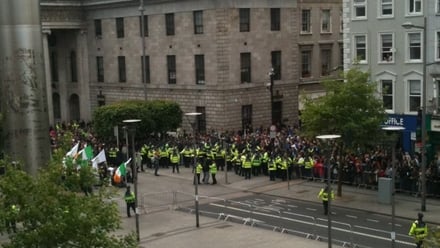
23	86
83	75
46	33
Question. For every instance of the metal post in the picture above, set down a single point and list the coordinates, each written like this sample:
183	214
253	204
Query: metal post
144	66
271	74
423	149
225	146
393	191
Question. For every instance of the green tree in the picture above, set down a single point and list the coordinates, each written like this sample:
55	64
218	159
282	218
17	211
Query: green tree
351	108
433	239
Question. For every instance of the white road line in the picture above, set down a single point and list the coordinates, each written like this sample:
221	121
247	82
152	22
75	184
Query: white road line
389	223
372	220
292	206
351	216
311	223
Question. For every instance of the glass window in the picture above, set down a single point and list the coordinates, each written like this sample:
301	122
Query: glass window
360	48
275	19
120	27
325	21
145	73
200	68
54	66
73	67
198	22
145	25
246	117
437	7
360	9
201	119
415	7
100	68
245	67
437	45
305	21
386	7
306	65
326	58
98	28
121	69
387	94
276	64
386	50
414	95
169	23
415	46
171	65
245	20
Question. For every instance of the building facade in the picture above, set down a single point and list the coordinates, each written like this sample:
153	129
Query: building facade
212	57
376	41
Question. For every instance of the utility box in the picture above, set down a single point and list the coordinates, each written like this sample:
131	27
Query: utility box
385	190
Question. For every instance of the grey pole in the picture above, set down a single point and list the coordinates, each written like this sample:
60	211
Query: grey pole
23	85
144	78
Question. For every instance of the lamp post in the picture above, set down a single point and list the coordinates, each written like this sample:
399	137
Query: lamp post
393	183
409	25
271	75
131	125
144	78
329	221
196	183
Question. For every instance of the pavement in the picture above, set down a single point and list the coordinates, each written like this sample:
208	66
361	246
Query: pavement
161	226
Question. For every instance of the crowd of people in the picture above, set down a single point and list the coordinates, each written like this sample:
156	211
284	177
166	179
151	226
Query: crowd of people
287	156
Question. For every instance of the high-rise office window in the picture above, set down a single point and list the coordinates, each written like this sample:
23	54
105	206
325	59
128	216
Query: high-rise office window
146	73
120	27
100	68
276	64
169	23
121	69
73	67
200	68
245	19
245	67
145	25
198	22
171	66
275	19
98	28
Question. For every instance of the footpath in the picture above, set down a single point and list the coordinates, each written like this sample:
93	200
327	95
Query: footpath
169	228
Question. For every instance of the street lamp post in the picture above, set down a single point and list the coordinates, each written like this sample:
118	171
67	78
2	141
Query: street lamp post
393	183
271	75
409	25
329	137
196	183
144	77
131	125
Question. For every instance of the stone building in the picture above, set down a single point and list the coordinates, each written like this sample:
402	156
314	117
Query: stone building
209	56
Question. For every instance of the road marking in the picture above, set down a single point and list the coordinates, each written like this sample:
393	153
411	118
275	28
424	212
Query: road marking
389	223
292	206
311	209
372	220
351	216
313	224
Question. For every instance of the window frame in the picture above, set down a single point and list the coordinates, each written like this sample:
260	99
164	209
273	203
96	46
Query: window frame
246	116
120	29
122	69
409	47
98	28
199	65
198	21
245	67
100	69
73	66
169	24
244	17
201	119
276	62
359	5
275	19
412	4
326	56
381	9
437	45
437	7
309	53
356	49
387	94
171	69
147	71
145	26
412	95
308	22
327	21
382	53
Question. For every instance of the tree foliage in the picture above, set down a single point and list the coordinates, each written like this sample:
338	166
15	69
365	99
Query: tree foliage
350	108
156	117
433	239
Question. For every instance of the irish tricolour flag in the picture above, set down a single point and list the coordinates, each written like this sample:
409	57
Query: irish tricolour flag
121	171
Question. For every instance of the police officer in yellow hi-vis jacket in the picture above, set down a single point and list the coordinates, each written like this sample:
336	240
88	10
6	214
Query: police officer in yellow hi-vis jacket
325	194
419	230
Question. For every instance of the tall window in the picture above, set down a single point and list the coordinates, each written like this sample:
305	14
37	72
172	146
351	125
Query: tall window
360	49
386	8
305	21
121	69
326	58
245	20
437	46
120	27
100	68
145	25
341	55
414	7
201	119
275	19
54	66
73	67
198	22
171	66
437	6
246	117
98	28
245	67
306	63
359	9
386	50
169	23
415	46
276	64
200	68
387	94
325	21
146	73
414	95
